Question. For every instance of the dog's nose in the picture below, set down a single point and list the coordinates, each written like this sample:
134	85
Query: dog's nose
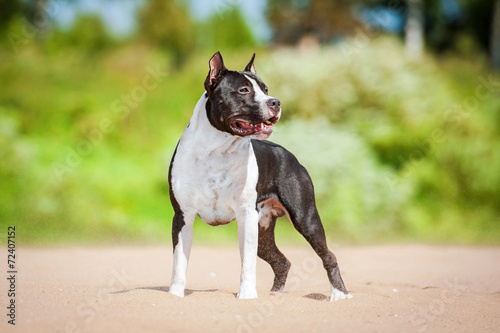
274	104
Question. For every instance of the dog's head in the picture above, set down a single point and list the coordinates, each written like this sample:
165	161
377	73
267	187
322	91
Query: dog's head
238	102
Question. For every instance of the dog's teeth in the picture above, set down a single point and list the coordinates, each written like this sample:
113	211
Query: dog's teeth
262	125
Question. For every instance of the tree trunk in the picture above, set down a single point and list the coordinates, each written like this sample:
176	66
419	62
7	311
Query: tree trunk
495	37
414	30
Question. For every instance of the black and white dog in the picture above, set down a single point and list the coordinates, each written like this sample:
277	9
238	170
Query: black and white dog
222	170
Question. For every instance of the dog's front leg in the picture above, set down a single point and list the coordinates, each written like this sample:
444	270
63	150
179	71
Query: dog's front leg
248	236
182	238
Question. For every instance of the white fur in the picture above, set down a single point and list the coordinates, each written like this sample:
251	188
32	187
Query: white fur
337	294
260	96
181	258
214	175
248	236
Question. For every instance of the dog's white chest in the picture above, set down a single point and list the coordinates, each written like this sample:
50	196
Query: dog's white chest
213	174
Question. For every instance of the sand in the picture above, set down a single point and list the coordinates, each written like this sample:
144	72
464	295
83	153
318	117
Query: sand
395	288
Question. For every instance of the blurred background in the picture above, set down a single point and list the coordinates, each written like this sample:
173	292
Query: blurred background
392	105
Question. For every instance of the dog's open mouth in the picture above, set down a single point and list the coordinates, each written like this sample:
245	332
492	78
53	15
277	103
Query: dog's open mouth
243	127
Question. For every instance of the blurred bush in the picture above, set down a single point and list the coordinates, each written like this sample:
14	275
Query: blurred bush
167	25
88	34
353	195
426	137
397	150
214	33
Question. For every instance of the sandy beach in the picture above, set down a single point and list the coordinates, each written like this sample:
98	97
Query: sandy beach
395	288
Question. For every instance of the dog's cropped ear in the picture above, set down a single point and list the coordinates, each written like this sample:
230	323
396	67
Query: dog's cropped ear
217	68
250	67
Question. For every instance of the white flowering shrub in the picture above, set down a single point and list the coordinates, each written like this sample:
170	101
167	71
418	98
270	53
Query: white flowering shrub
353	191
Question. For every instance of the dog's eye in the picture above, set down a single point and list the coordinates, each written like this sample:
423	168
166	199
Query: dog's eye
265	90
244	90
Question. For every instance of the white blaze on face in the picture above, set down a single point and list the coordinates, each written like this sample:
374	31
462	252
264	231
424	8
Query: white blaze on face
260	97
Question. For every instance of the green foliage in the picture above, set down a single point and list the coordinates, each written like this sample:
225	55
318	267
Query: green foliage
396	150
291	20
352	192
10	10
56	189
87	34
434	129
227	30
165	24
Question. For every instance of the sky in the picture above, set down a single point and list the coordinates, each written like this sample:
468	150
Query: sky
119	15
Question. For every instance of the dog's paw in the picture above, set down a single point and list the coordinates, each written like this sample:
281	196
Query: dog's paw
176	290
338	295
247	293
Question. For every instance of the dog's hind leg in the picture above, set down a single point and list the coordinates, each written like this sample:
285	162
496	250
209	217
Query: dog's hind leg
296	195
269	252
310	226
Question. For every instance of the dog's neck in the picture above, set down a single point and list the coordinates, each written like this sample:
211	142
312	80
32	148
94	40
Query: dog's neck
208	137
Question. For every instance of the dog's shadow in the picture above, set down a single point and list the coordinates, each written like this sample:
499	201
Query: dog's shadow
316	297
188	292
165	289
